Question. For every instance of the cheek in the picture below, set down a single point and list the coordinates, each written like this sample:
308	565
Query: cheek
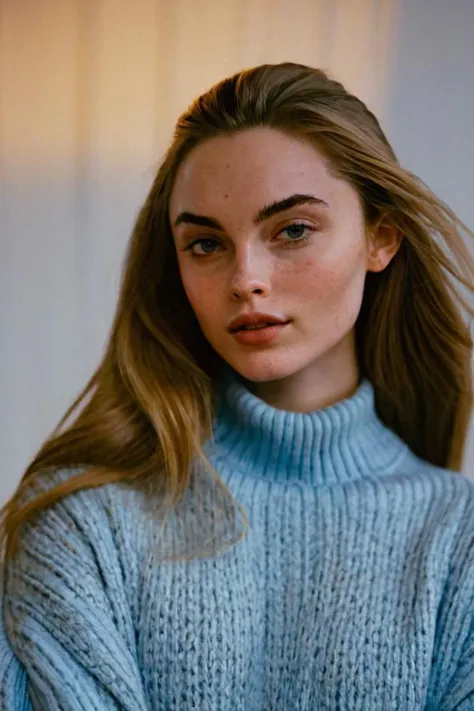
201	292
327	284
309	278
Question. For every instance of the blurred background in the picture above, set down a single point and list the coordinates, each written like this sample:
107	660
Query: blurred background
89	92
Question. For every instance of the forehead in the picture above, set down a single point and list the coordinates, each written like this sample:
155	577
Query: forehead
247	169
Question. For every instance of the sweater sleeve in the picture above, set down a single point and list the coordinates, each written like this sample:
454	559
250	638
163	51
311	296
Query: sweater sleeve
452	675
67	641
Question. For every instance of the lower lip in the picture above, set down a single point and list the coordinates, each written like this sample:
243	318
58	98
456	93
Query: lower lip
259	336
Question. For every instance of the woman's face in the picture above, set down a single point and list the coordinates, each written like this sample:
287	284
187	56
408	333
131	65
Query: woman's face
262	226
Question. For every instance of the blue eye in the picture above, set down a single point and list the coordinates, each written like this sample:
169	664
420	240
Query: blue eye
298	226
207	246
296	234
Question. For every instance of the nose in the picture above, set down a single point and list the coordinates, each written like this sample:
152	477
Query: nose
250	277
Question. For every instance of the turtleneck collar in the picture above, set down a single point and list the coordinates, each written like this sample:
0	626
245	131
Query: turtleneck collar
340	443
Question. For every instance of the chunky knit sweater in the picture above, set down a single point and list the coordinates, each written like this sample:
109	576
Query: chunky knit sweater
353	589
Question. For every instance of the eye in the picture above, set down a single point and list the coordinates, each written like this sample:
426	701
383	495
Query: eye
202	246
297	232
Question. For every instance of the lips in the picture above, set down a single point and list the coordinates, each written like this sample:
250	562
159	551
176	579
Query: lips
253	321
253	326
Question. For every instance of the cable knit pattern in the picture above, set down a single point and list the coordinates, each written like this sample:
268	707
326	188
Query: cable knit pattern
353	591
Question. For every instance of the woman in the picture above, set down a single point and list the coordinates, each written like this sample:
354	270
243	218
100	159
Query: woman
287	343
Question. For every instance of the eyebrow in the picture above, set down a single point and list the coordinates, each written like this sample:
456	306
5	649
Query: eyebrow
265	213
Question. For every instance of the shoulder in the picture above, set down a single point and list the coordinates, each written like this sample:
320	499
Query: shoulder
83	536
90	510
452	673
434	507
76	553
449	529
446	494
454	491
67	599
451	505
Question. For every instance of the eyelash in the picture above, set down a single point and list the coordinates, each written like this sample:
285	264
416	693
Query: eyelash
297	241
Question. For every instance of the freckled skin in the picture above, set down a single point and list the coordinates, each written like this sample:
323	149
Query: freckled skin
318	283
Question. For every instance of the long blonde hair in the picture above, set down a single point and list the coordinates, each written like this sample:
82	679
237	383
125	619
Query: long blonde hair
149	404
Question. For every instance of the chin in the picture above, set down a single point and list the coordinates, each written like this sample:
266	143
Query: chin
261	369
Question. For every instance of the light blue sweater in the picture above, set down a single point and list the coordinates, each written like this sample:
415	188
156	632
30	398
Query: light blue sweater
353	591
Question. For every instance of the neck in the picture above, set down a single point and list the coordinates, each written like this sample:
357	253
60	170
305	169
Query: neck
299	395
332	378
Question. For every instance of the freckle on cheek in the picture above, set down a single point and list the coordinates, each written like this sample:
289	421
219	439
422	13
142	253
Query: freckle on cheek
299	267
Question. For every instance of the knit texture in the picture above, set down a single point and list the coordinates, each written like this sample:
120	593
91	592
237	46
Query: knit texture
353	590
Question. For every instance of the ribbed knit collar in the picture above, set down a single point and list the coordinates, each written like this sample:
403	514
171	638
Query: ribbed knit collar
337	444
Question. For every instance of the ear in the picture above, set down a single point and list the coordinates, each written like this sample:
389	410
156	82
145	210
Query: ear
384	242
